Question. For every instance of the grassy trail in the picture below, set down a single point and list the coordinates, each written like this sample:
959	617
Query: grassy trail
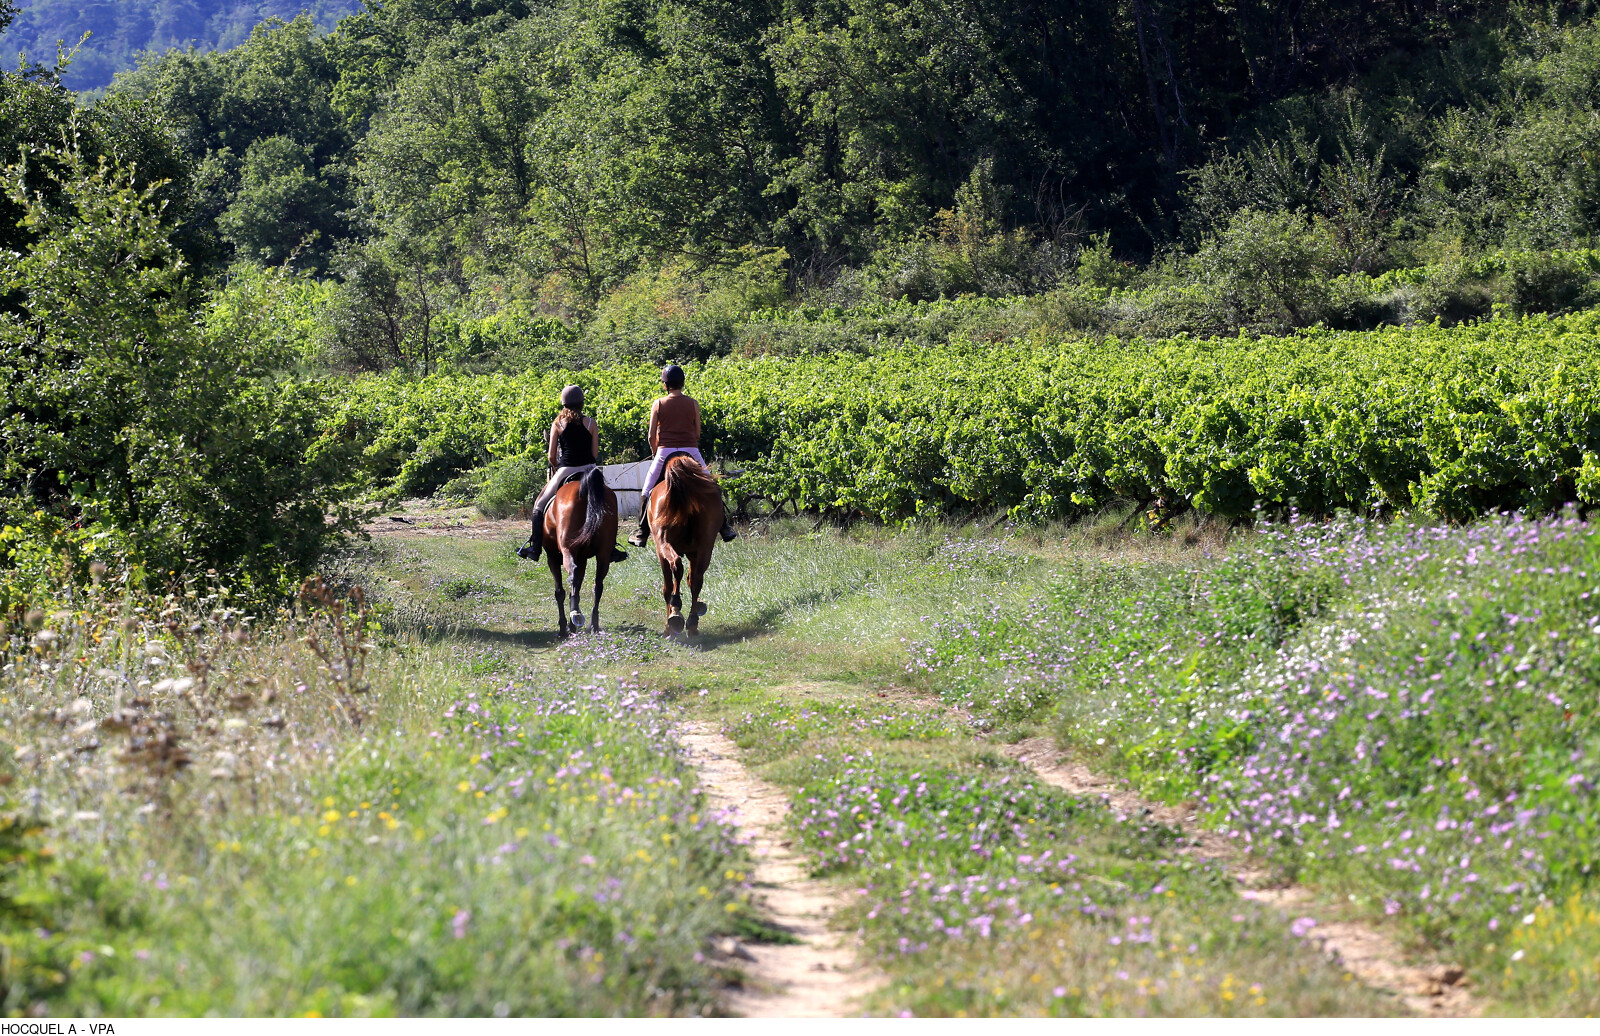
976	887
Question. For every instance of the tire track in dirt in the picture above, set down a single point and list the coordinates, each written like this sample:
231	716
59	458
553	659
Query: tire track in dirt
1437	991
818	976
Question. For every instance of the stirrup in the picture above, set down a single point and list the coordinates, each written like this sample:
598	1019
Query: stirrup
639	537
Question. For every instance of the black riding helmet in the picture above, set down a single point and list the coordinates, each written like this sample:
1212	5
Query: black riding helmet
572	397
672	376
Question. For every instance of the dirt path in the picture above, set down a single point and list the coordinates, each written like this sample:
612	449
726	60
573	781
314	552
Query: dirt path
1437	991
817	977
419	519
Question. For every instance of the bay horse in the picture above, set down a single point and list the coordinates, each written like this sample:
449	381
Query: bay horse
685	511
581	523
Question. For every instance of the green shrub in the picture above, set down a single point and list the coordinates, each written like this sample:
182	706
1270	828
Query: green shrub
1271	266
1451	294
508	486
968	251
1544	283
1098	268
1354	304
124	411
683	314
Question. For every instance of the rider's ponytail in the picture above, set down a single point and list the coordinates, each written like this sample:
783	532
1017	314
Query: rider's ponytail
571	407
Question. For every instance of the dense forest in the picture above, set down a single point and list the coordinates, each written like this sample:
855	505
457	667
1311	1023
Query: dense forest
534	159
473	187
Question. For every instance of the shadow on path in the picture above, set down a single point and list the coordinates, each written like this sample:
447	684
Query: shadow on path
527	640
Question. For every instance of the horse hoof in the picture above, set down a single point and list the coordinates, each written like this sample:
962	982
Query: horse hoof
699	607
576	618
675	624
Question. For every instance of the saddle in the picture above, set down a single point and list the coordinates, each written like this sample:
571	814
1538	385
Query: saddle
578	474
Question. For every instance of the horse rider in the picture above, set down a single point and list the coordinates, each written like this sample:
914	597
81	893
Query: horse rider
574	450
674	428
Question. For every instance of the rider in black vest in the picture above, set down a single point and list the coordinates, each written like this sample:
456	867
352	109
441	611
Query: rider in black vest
574	447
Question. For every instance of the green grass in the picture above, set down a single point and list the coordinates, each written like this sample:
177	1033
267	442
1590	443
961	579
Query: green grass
495	836
977	889
1401	715
983	892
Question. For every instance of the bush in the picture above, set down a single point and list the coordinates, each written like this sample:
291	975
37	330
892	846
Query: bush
509	486
41	556
683	314
123	411
1354	304
1546	283
1451	299
969	252
1271	266
509	340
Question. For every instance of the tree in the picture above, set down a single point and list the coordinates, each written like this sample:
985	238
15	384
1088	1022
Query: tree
119	409
281	209
270	152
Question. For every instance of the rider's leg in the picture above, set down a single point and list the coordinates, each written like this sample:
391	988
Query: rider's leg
536	536
642	533
657	467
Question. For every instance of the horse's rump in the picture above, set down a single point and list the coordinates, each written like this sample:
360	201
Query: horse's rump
690	492
592	496
683	500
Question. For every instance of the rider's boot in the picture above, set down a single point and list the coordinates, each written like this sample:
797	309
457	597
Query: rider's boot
727	531
642	533
618	554
530	551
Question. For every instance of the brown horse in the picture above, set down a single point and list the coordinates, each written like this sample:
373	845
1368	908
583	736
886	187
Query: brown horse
685	514
581	523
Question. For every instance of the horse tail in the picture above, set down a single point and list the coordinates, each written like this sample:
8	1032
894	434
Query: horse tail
592	490
689	490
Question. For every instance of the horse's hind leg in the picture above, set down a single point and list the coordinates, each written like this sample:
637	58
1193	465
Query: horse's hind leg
576	568
561	590
601	567
697	579
670	575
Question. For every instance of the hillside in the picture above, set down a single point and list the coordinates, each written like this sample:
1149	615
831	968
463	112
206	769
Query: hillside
121	29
